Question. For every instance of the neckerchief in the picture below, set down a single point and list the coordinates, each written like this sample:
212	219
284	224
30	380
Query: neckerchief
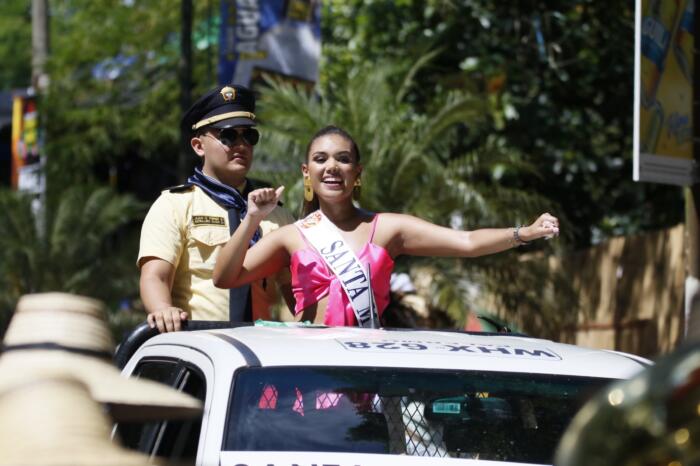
227	197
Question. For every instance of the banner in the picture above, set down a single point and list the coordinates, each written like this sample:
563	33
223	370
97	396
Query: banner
663	126
26	161
274	37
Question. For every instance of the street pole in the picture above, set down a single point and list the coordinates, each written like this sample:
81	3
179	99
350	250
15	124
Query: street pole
185	161
692	280
40	84
692	216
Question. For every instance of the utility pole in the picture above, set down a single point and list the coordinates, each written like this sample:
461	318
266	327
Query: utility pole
185	161
40	83
692	214
40	44
692	280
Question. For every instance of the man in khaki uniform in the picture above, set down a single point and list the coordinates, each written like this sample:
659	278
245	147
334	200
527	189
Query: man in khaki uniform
187	225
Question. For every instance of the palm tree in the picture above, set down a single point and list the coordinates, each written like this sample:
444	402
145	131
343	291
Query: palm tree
74	244
412	163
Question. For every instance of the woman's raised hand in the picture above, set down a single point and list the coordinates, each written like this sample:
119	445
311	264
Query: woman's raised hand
262	201
546	226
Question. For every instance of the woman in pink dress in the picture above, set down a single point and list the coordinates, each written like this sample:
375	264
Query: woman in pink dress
338	249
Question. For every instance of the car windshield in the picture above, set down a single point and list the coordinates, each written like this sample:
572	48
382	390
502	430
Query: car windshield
459	414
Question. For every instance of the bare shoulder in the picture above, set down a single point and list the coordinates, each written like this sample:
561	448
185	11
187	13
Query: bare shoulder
396	222
390	227
393	226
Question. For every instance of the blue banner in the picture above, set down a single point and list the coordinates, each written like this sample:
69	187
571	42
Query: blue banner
274	37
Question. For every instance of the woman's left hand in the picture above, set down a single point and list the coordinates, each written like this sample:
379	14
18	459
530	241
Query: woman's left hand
546	226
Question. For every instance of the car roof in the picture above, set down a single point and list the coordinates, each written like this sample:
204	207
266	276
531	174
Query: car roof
405	348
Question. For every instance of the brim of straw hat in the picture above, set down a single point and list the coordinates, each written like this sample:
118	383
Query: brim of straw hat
60	333
53	421
129	398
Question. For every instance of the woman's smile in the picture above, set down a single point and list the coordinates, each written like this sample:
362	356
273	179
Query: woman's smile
333	182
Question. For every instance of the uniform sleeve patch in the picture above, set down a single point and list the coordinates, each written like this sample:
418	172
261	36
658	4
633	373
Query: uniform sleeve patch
208	220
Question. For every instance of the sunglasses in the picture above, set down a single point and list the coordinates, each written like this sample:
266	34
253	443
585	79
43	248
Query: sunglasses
229	136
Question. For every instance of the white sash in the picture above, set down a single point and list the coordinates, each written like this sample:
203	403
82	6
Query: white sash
326	239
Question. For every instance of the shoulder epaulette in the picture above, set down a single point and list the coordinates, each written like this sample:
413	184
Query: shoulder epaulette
180	188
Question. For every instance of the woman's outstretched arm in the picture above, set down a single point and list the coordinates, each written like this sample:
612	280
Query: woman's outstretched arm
237	265
413	236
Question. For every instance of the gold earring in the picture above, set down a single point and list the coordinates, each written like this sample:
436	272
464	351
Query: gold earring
357	189
308	192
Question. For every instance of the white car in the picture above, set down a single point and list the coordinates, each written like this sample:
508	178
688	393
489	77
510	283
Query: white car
349	396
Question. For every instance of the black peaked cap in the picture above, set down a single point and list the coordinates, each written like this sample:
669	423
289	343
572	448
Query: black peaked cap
222	107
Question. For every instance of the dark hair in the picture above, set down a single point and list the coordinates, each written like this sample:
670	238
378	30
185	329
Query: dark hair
308	207
330	129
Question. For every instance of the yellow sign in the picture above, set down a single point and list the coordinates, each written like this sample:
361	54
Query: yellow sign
26	173
664	91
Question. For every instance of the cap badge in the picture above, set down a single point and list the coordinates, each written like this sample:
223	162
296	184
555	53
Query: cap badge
228	93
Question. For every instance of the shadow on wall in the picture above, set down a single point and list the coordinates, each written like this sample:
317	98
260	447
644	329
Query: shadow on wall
630	294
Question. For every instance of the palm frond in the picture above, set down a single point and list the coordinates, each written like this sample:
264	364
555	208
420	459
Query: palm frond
409	78
76	248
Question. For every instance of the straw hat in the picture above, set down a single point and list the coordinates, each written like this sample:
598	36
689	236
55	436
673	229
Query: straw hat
58	333
53	421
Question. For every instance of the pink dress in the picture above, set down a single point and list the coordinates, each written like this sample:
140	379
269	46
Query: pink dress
312	280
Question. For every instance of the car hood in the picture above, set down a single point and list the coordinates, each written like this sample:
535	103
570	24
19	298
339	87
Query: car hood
306	458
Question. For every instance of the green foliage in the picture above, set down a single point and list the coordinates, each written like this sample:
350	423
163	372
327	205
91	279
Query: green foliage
15	44
558	77
552	85
113	101
113	84
115	91
73	243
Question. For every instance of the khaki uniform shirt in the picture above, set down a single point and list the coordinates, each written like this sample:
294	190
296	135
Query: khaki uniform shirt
187	228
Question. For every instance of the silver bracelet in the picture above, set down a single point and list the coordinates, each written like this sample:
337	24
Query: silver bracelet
516	237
